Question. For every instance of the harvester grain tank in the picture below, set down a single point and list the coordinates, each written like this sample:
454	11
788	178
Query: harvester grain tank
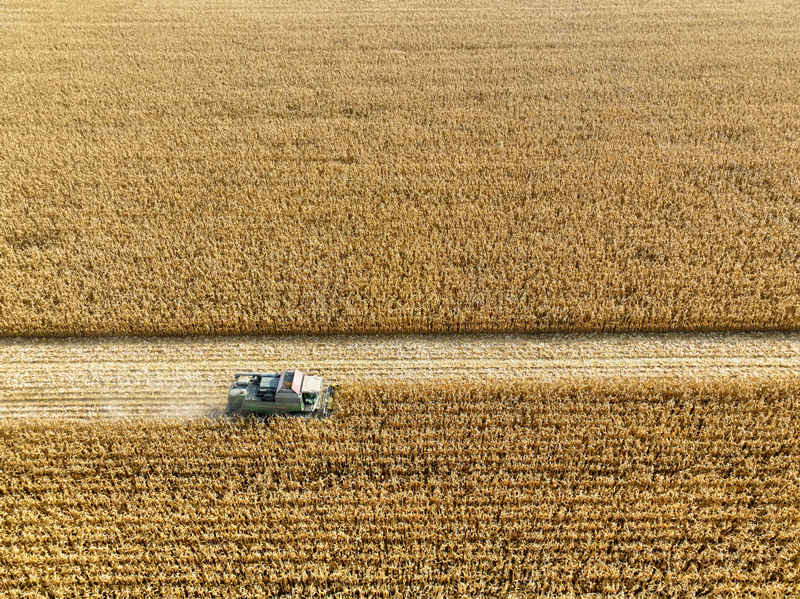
289	393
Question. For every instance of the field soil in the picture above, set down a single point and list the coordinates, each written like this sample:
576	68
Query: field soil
154	377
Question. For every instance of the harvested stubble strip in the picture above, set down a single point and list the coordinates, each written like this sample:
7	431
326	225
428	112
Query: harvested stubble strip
663	487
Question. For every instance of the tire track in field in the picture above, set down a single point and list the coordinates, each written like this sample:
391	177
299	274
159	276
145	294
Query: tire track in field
187	377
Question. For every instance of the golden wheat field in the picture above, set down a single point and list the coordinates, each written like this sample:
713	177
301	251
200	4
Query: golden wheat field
186	167
606	488
225	172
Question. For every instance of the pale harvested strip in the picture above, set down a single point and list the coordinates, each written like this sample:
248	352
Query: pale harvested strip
189	376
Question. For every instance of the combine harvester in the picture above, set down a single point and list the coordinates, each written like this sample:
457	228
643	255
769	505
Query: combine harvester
289	393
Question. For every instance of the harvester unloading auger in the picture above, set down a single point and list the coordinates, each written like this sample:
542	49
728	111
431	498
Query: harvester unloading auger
289	393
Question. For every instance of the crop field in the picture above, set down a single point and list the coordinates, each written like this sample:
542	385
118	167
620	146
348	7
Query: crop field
608	488
202	167
532	240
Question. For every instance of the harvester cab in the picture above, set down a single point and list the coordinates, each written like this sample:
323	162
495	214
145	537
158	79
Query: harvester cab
290	393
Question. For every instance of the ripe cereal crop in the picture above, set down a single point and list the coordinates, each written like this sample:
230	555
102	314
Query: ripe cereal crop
609	488
334	167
